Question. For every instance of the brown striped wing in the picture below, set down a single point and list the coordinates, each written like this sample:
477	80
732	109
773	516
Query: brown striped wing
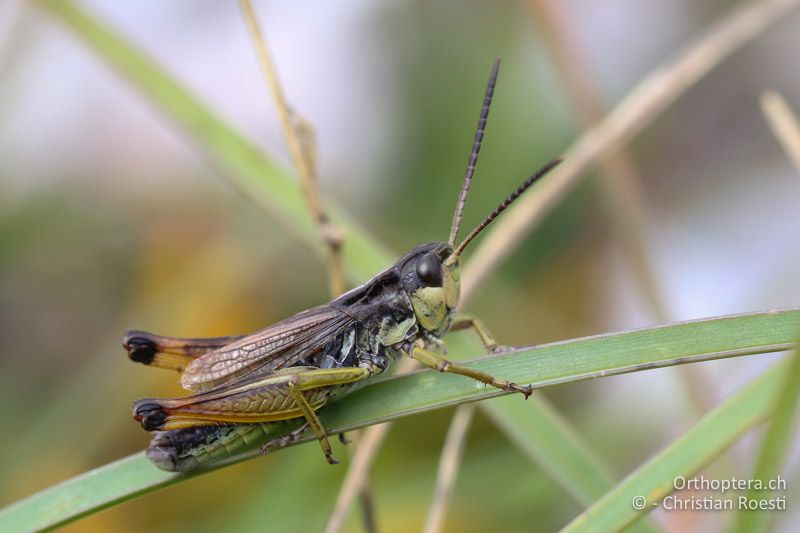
275	347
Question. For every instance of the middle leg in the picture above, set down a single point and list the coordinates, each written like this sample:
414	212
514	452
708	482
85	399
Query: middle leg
470	322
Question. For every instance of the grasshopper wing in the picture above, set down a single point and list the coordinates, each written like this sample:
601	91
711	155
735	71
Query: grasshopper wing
277	346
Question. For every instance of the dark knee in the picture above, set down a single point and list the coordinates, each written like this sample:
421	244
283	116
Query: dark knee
150	415
140	349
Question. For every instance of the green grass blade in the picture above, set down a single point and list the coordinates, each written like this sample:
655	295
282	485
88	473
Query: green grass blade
273	188
698	447
391	398
85	494
777	442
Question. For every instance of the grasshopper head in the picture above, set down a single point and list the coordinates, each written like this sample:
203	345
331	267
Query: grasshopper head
432	282
430	273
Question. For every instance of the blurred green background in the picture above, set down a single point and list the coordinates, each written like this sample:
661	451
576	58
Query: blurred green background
110	219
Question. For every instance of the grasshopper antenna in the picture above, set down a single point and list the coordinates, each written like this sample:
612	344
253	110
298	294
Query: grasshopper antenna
473	156
503	205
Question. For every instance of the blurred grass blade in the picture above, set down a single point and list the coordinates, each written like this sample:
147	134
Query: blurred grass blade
301	141
648	99
784	124
561	453
554	445
777	442
391	398
449	465
269	186
698	447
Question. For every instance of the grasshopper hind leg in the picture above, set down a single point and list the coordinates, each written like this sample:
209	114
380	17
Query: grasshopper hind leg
312	420
150	415
172	353
287	394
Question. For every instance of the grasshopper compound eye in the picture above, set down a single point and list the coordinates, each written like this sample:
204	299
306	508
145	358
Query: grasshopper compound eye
429	270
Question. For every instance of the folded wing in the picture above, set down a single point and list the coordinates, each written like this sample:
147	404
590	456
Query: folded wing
278	346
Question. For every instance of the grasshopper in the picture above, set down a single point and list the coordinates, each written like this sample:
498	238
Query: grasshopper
246	385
